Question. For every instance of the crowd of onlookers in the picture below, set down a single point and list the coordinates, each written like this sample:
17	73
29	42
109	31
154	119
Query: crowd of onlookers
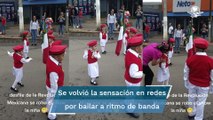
181	35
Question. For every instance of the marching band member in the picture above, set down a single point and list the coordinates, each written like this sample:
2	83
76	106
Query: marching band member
103	38
198	78
26	44
18	66
133	65
54	74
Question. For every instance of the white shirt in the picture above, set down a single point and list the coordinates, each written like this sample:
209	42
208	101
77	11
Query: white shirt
178	33
95	54
34	25
171	30
111	18
134	69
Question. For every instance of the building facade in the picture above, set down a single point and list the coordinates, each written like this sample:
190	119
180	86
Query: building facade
178	12
8	9
54	7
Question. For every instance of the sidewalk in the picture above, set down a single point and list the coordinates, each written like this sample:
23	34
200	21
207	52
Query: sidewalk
89	29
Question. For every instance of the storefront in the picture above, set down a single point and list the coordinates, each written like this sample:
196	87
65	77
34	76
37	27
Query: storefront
86	5
178	12
8	10
38	7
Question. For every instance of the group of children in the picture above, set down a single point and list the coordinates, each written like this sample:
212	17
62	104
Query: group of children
53	55
198	70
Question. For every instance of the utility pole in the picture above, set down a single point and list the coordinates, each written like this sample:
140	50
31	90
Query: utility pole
165	20
67	17
21	18
142	17
98	13
210	21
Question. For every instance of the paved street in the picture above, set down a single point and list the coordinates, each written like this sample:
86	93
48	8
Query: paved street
75	67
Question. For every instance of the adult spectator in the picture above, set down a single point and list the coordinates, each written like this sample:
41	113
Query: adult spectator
204	31
171	30
152	53
139	14
34	26
178	34
111	21
61	22
75	17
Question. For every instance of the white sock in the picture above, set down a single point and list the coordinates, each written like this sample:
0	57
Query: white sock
93	79
102	49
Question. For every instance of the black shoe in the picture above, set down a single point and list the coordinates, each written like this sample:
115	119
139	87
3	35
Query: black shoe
32	44
104	52
112	38
178	52
93	83
134	115
21	84
27	57
170	64
35	44
14	89
191	117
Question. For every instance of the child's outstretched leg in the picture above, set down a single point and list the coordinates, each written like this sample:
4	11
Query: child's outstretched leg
26	55
103	50
19	76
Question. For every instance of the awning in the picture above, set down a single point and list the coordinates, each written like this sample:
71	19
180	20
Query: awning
185	14
43	2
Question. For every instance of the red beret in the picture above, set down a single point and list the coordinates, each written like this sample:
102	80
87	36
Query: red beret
133	30
171	40
135	41
92	43
201	43
50	32
103	25
57	49
25	33
18	48
57	42
51	37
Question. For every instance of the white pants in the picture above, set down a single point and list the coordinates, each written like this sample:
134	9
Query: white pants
170	54
127	102
18	73
26	54
197	103
124	46
49	100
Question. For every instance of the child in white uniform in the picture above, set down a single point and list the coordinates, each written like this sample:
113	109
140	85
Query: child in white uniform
103	38
163	74
92	55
